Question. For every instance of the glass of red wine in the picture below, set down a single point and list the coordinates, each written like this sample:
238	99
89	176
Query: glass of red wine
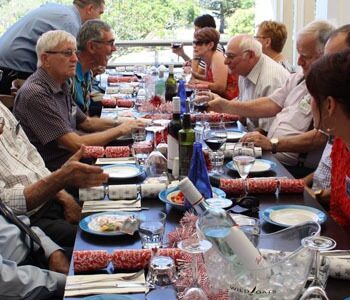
215	137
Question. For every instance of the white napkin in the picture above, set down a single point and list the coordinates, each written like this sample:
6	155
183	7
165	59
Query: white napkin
229	150
107	205
103	284
339	267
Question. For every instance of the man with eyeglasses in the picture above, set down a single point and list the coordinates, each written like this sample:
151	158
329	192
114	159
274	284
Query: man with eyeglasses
290	104
95	42
259	75
17	52
55	125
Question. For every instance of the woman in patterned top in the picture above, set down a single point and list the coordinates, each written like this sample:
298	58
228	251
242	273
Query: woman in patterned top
328	82
218	77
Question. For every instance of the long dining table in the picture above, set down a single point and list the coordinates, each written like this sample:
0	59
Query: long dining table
336	288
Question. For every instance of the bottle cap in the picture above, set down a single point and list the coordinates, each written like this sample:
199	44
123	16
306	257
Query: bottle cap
190	191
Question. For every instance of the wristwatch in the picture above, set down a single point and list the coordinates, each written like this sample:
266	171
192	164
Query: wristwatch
274	141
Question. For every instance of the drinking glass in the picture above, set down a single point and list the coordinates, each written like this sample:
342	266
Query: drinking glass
314	293
156	163
318	243
141	150
195	247
151	229
203	105
215	137
243	159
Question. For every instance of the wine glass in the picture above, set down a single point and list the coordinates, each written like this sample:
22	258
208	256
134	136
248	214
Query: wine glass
202	106
156	163
215	137
243	159
314	293
195	246
318	243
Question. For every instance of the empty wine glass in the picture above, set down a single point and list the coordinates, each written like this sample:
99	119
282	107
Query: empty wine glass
314	293
156	163
215	137
318	243
243	159
195	247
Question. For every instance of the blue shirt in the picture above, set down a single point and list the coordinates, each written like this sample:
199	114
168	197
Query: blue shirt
17	50
81	88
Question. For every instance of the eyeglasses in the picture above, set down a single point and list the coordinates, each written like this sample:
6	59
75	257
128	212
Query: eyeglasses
108	43
66	53
200	42
232	56
260	37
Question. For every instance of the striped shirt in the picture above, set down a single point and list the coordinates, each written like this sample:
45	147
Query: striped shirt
20	164
46	112
265	77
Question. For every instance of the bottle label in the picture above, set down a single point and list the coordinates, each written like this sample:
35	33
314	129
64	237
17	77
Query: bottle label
185	155
173	150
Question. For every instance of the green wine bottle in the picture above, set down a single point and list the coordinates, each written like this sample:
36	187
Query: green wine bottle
186	140
170	85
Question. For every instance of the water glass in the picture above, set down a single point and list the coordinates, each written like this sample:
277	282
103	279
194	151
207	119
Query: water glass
151	229
217	161
161	272
140	151
139	134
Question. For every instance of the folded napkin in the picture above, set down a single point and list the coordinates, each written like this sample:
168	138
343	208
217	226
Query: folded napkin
339	267
230	146
127	191
262	185
79	285
93	193
107	205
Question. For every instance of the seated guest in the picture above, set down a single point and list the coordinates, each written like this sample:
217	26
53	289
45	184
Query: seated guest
328	83
17	52
197	64
217	76
49	116
95	43
29	188
273	35
27	270
290	104
259	76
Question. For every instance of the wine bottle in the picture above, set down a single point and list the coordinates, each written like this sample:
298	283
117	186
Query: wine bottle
221	230
173	134
170	85
186	140
160	86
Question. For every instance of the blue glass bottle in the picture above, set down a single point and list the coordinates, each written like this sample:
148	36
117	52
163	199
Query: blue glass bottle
182	94
198	173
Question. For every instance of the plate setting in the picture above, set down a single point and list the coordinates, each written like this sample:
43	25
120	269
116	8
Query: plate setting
260	166
171	196
108	223
123	171
290	215
234	135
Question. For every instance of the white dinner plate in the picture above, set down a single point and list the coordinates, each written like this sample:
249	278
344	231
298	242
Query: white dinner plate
235	135
260	166
122	171
290	215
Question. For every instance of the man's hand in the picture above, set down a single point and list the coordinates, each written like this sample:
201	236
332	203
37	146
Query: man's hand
81	175
58	262
258	139
217	104
129	126
71	209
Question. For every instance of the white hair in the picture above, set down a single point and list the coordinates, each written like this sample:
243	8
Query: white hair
50	40
248	42
321	30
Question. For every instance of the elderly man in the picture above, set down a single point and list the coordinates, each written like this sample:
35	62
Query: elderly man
48	114
289	104
17	52
259	75
29	188
95	44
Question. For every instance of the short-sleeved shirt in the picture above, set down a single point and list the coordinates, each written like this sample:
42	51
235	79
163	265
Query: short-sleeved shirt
17	50
47	112
264	78
322	175
295	116
81	86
